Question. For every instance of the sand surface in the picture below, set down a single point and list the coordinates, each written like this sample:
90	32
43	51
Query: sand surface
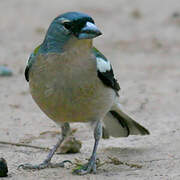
141	38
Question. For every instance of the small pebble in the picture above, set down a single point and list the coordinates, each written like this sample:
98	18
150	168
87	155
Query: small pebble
176	14
136	13
3	168
5	71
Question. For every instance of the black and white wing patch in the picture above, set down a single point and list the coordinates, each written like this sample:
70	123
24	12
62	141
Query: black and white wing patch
105	73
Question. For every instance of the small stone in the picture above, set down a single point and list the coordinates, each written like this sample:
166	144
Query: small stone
70	145
136	13
5	71
3	168
176	14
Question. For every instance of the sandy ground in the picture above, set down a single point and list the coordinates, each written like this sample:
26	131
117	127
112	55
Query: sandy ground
142	40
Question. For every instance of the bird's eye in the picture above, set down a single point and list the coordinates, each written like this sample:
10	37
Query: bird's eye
67	25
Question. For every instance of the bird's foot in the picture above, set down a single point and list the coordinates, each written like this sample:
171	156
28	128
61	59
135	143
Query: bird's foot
89	167
43	165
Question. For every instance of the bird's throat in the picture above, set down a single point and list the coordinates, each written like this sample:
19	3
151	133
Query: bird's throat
74	43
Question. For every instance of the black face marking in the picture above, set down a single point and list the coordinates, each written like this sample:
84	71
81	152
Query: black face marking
76	25
75	21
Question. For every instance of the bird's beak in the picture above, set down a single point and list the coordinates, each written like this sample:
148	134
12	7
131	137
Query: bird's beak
89	31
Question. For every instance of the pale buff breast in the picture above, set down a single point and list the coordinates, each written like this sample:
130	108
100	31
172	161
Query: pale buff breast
68	90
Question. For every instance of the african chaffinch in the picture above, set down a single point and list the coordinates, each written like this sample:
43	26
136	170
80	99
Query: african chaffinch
71	81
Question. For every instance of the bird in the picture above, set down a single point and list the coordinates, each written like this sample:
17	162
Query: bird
72	81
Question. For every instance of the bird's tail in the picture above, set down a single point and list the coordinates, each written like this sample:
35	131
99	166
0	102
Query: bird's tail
119	124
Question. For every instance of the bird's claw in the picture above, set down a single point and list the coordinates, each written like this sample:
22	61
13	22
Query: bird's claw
43	165
90	167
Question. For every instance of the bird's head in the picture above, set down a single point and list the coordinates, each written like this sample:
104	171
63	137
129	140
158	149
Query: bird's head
67	26
80	25
75	24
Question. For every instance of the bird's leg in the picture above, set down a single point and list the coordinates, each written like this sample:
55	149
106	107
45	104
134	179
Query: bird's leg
91	165
47	162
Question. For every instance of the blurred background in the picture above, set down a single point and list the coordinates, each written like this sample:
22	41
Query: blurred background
141	39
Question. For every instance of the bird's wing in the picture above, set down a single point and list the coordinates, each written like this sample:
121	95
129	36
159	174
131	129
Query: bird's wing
105	71
30	62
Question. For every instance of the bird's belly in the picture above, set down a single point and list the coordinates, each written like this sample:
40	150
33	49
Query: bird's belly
67	92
